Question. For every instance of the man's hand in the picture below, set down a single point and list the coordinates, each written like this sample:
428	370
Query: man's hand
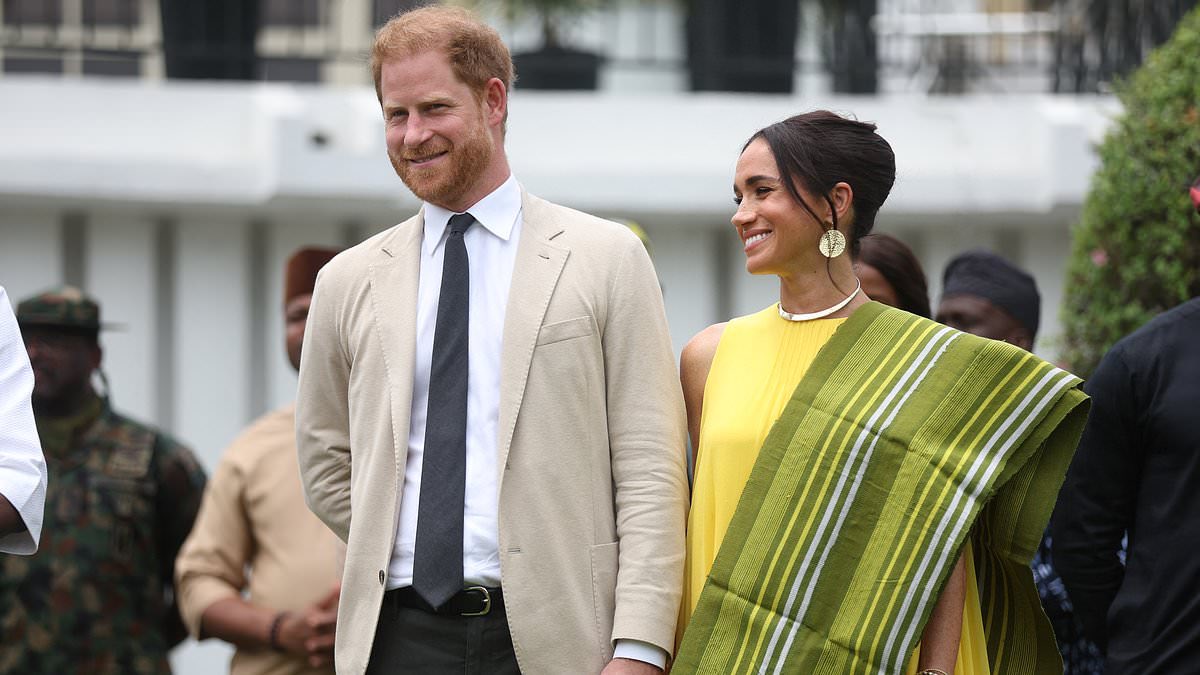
311	632
619	666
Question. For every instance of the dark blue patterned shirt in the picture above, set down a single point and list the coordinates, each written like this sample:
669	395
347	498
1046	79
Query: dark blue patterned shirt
1080	656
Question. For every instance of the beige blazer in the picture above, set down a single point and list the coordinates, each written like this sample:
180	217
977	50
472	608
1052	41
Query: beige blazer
592	485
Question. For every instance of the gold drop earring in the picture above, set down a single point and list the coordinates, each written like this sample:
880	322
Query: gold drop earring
833	242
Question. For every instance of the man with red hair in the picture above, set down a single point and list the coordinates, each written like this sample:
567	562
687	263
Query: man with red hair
489	409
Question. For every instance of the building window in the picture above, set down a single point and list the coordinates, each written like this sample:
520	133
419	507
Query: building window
386	9
289	70
111	13
111	63
38	12
297	13
45	62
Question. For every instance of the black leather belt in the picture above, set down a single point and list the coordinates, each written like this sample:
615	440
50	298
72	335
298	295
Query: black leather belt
470	601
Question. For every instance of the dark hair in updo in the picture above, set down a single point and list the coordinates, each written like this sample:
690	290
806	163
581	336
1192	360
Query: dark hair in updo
819	149
900	267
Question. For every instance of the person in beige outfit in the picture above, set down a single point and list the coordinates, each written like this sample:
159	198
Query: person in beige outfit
489	412
253	517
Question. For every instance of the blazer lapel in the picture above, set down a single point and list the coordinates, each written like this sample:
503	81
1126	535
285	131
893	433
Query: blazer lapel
538	267
394	280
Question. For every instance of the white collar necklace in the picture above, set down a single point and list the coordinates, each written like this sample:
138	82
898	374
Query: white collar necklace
819	314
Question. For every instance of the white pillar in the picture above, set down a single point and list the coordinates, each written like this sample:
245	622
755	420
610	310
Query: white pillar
121	266
686	265
30	252
211	325
1045	252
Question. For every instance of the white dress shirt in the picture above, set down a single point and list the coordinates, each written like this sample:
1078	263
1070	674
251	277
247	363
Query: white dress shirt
22	466
491	254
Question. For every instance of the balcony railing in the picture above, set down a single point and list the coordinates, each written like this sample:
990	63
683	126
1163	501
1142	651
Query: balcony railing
853	46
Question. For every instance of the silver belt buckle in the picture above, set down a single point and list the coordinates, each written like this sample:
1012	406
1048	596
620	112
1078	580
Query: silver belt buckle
487	601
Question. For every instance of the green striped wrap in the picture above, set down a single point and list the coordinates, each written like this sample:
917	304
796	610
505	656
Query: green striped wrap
903	439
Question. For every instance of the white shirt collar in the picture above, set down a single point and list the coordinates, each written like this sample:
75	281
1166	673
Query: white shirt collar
497	213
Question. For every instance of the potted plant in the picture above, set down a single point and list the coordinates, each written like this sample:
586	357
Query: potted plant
554	65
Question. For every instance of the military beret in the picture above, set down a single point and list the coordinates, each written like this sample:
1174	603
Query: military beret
66	307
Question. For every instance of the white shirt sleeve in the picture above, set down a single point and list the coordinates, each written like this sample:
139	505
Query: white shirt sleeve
22	466
640	651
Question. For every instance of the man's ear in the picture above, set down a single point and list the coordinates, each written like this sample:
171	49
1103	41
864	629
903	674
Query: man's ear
495	98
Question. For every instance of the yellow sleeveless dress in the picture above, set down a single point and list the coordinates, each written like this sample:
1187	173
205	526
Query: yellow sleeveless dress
759	361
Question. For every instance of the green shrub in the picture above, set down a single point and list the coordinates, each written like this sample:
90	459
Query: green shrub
1136	250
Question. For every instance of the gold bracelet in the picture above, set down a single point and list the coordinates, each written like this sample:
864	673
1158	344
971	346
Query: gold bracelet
932	671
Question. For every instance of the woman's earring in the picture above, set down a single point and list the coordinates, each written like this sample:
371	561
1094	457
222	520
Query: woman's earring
832	244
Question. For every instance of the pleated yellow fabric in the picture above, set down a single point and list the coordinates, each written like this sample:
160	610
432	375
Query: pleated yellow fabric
759	361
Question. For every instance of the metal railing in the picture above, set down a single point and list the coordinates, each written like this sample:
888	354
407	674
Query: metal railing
854	46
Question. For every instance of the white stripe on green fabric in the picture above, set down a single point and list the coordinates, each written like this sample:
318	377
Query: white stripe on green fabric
893	651
973	482
869	430
915	345
920	528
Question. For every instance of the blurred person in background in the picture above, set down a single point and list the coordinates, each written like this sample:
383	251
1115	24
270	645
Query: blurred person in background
98	598
1137	472
22	467
890	273
840	519
986	295
983	294
255	535
488	409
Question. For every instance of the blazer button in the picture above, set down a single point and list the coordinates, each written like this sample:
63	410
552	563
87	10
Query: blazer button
382	578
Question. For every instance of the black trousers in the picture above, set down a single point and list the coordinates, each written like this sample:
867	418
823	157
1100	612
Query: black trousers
410	640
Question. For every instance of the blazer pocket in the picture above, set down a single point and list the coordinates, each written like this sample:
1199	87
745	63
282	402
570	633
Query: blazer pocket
604	593
565	330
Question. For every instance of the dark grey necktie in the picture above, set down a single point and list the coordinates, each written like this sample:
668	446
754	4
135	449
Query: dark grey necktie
438	554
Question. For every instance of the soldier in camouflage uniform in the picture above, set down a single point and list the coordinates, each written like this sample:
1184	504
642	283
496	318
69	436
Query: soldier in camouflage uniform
97	598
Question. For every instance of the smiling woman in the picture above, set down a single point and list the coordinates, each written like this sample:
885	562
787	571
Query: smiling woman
834	490
812	177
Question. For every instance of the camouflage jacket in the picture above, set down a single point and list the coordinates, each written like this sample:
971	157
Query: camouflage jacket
97	597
